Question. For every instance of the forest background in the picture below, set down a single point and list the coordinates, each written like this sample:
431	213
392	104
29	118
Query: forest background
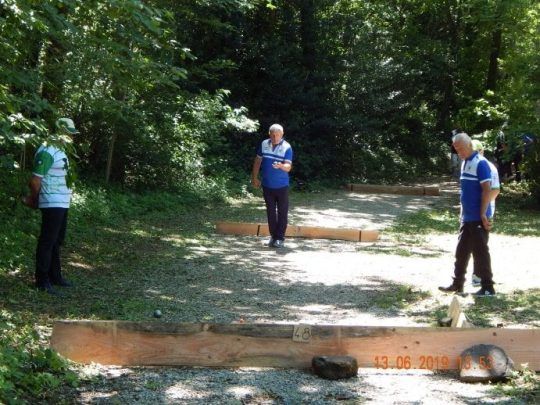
175	96
178	94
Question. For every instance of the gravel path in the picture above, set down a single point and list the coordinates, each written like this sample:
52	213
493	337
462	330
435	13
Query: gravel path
231	279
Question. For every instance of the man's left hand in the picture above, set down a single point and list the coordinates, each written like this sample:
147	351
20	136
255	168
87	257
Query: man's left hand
486	223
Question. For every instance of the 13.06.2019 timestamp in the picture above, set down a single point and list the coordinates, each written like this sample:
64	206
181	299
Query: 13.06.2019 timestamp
429	362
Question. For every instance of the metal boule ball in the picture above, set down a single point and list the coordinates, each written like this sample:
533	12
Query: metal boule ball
157	313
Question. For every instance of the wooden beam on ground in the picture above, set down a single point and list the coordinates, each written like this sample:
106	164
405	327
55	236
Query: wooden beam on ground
369	236
317	232
237	228
386	189
278	345
300	231
291	232
432	190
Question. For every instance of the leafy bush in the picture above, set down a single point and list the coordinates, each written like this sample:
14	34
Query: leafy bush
187	150
27	370
532	171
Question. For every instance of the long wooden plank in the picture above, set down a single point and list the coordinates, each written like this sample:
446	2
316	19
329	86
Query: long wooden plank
237	228
294	231
272	345
369	236
291	232
432	190
389	189
317	232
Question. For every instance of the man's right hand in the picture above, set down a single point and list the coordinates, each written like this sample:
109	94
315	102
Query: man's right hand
256	183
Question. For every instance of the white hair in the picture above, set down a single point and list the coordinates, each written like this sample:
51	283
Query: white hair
462	137
275	128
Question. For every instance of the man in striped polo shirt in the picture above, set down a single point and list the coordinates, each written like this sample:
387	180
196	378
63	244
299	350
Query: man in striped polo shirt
50	193
274	160
475	218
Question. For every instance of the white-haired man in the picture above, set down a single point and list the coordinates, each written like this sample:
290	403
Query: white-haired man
50	193
274	161
475	180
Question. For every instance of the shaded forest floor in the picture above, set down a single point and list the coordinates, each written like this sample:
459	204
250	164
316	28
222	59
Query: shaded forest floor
173	261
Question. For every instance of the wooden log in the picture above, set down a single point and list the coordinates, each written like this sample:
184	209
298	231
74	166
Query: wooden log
291	232
316	232
428	190
237	228
369	236
388	189
278	345
410	190
294	231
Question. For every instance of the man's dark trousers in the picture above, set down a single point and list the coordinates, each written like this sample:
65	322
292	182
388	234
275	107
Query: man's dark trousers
277	210
53	232
473	239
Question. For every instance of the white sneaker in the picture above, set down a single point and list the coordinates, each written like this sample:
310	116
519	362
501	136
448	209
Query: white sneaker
270	242
279	243
476	281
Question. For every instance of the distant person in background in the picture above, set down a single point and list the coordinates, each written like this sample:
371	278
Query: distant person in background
523	149
495	190
504	163
528	143
50	193
455	161
475	181
274	161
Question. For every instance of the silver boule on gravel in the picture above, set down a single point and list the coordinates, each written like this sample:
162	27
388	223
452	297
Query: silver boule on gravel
157	313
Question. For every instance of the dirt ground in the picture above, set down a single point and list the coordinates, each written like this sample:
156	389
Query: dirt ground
317	282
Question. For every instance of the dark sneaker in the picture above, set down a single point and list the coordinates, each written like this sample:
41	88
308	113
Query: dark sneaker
452	288
484	292
271	242
279	243
63	283
476	281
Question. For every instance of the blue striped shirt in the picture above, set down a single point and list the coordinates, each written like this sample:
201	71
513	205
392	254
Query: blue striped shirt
474	171
282	152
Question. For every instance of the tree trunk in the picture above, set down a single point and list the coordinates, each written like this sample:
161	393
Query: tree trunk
110	157
54	66
308	34
493	70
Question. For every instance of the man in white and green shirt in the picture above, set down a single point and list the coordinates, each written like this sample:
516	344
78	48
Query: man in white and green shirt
50	193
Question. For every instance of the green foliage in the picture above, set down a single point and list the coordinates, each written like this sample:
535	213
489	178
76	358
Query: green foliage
182	153
532	171
523	386
519	307
27	370
400	297
373	90
510	220
427	221
19	223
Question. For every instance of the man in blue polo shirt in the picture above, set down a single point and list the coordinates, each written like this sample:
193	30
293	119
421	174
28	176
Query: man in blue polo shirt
475	218
274	161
